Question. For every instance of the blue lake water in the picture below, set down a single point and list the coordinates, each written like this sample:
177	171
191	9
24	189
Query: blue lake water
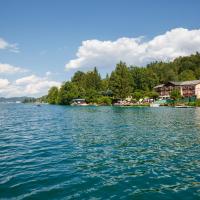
61	152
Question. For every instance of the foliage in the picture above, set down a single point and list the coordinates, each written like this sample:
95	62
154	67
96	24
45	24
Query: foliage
153	95
194	103
187	75
175	94
138	95
43	99
120	81
197	103
104	100
29	100
52	95
67	92
92	95
143	78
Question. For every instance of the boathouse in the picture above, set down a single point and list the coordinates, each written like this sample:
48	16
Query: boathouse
187	88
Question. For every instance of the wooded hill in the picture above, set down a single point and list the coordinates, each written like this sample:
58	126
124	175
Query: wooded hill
124	81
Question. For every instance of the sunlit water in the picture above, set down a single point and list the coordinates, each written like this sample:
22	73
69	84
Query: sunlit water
61	152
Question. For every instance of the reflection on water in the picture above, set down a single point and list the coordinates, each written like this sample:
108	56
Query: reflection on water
58	152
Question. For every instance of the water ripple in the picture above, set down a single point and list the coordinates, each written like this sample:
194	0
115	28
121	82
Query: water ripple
60	152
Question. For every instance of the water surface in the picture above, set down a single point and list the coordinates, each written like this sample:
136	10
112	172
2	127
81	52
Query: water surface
61	152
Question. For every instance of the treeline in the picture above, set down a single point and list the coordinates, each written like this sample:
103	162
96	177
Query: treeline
124	81
29	100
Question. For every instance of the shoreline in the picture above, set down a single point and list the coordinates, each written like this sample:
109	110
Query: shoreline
122	106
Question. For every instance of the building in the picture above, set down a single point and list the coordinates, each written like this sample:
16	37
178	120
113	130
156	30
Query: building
187	88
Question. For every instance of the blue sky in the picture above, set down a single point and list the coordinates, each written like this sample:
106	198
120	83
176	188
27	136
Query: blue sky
48	33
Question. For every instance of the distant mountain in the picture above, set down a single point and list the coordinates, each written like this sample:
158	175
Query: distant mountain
15	99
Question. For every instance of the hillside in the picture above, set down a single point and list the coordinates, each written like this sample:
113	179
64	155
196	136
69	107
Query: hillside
15	99
125	81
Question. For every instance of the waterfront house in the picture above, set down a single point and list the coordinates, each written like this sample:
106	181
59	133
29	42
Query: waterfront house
187	88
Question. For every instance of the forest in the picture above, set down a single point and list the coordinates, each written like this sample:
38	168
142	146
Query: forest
124	81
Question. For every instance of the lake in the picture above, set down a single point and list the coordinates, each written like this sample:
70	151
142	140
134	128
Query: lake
63	152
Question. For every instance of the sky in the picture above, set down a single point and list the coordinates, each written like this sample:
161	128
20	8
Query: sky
42	43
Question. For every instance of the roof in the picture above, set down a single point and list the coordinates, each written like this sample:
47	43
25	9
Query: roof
159	86
194	82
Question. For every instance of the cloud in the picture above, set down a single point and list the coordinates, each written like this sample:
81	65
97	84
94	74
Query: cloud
10	69
4	83
11	47
136	51
3	44
27	86
28	79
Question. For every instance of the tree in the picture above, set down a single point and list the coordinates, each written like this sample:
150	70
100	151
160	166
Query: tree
67	92
104	101
187	75
120	81
92	95
138	95
79	79
93	80
143	78
154	95
175	94
52	95
105	83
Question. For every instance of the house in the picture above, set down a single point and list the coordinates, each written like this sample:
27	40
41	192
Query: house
187	88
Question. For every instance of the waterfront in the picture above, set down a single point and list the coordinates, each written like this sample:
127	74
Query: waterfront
63	152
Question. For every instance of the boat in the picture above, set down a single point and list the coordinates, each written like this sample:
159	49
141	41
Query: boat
184	106
79	102
38	104
155	105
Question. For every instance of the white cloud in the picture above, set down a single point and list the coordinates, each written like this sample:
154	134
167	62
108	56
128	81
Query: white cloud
10	69
3	44
135	51
27	86
28	79
11	47
4	83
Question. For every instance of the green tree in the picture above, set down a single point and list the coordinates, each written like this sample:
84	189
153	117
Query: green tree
79	79
187	75
52	95
93	80
143	78
67	92
120	81
92	95
105	83
153	95
104	100
175	94
138	95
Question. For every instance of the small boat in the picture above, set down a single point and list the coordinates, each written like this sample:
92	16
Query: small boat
155	105
38	104
184	106
79	102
